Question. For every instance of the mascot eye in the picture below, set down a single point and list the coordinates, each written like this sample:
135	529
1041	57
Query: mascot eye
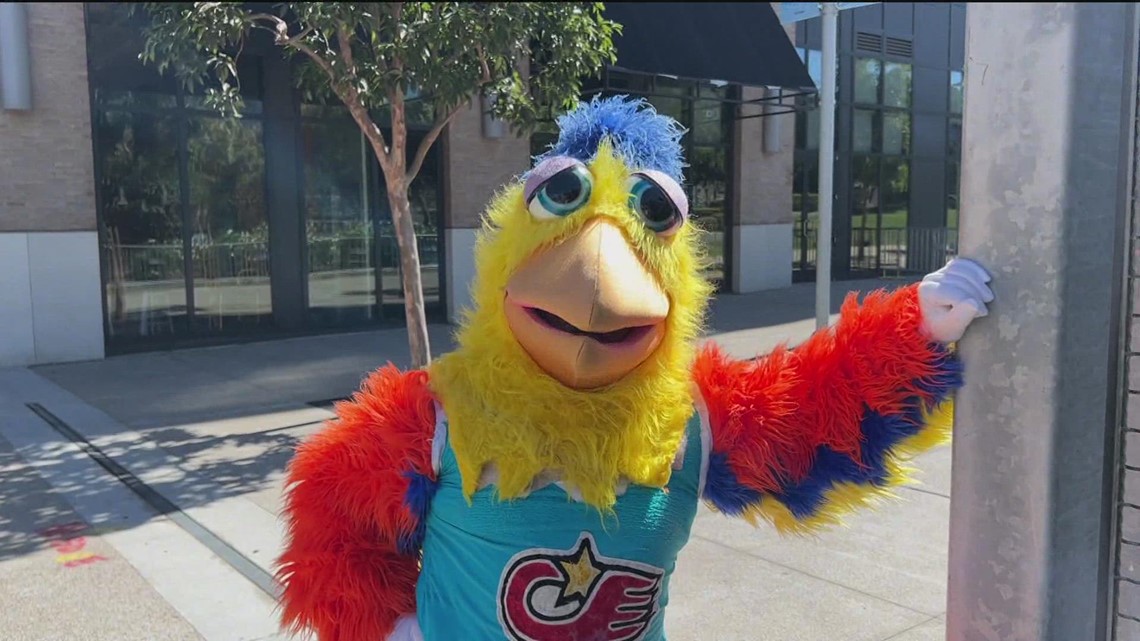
652	202
562	194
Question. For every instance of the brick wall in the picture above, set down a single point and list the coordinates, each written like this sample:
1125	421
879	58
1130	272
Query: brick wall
46	177
764	181
1128	551
477	167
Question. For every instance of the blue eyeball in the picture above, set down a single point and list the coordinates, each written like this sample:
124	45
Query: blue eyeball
562	194
653	203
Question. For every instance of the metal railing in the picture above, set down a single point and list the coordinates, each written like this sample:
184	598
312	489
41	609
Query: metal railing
888	252
250	259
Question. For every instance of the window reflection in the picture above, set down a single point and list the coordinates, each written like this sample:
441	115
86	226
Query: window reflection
896	192
141	224
954	139
424	198
896	84
805	202
867	74
896	132
863	131
708	178
866	198
815	66
953	188
338	223
956	92
229	229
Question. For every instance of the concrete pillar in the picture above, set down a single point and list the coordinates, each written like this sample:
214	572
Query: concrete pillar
50	294
475	167
761	234
1050	89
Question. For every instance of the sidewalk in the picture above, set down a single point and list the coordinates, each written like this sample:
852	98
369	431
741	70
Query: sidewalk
211	430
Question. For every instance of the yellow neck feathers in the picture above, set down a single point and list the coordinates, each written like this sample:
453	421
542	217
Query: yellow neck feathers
503	409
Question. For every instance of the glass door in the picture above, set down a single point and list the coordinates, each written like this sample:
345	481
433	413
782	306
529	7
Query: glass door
339	211
353	273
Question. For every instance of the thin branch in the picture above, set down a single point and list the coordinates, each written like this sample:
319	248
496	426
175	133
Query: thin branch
483	64
344	41
347	92
428	141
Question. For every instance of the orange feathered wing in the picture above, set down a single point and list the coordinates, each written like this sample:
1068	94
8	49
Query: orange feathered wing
356	497
801	436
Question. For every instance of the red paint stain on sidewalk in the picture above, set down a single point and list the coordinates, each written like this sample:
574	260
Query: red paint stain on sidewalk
70	545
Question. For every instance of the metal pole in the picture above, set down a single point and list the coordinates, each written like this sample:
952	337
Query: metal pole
830	12
1044	195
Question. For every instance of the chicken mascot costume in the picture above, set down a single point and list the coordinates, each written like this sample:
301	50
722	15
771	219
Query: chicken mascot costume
538	482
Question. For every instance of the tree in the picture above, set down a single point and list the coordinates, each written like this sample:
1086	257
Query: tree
531	57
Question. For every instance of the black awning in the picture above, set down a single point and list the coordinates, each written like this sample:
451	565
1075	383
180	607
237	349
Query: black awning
735	42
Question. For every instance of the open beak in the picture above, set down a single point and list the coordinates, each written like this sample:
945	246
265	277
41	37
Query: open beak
586	310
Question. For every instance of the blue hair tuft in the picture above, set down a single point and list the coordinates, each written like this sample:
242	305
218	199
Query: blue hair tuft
641	137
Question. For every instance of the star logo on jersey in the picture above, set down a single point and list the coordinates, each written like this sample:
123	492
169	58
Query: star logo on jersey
577	595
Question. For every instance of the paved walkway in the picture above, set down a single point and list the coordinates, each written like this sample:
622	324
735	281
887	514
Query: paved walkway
208	431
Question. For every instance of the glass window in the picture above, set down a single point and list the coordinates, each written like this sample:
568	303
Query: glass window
956	92
708	123
141	223
867	74
863	131
249	75
953	187
628	82
811	129
865	200
229	240
815	66
544	136
338	222
865	191
896	132
896	84
896	193
805	199
424	196
954	139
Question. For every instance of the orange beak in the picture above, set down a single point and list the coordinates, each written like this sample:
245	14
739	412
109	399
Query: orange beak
587	310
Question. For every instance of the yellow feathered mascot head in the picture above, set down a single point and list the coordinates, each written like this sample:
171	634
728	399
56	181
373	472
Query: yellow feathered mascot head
574	362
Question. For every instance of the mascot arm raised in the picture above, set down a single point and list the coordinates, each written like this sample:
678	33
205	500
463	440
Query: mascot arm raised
356	498
801	436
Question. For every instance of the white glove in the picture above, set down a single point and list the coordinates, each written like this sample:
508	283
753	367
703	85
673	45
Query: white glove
952	297
407	629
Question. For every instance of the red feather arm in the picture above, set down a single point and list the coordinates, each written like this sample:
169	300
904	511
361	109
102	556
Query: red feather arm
357	493
801	436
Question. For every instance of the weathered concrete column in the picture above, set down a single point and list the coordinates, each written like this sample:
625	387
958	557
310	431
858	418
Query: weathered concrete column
1049	94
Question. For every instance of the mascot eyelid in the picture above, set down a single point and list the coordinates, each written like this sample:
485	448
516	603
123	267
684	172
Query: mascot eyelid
561	194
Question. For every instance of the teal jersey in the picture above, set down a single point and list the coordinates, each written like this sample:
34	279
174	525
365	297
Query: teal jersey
546	567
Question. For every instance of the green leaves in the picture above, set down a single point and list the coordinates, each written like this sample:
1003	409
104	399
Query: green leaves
532	55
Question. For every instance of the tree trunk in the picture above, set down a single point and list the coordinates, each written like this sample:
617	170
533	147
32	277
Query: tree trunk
410	271
393	164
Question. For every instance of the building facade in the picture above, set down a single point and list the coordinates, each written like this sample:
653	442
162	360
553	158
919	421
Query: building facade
898	140
135	218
